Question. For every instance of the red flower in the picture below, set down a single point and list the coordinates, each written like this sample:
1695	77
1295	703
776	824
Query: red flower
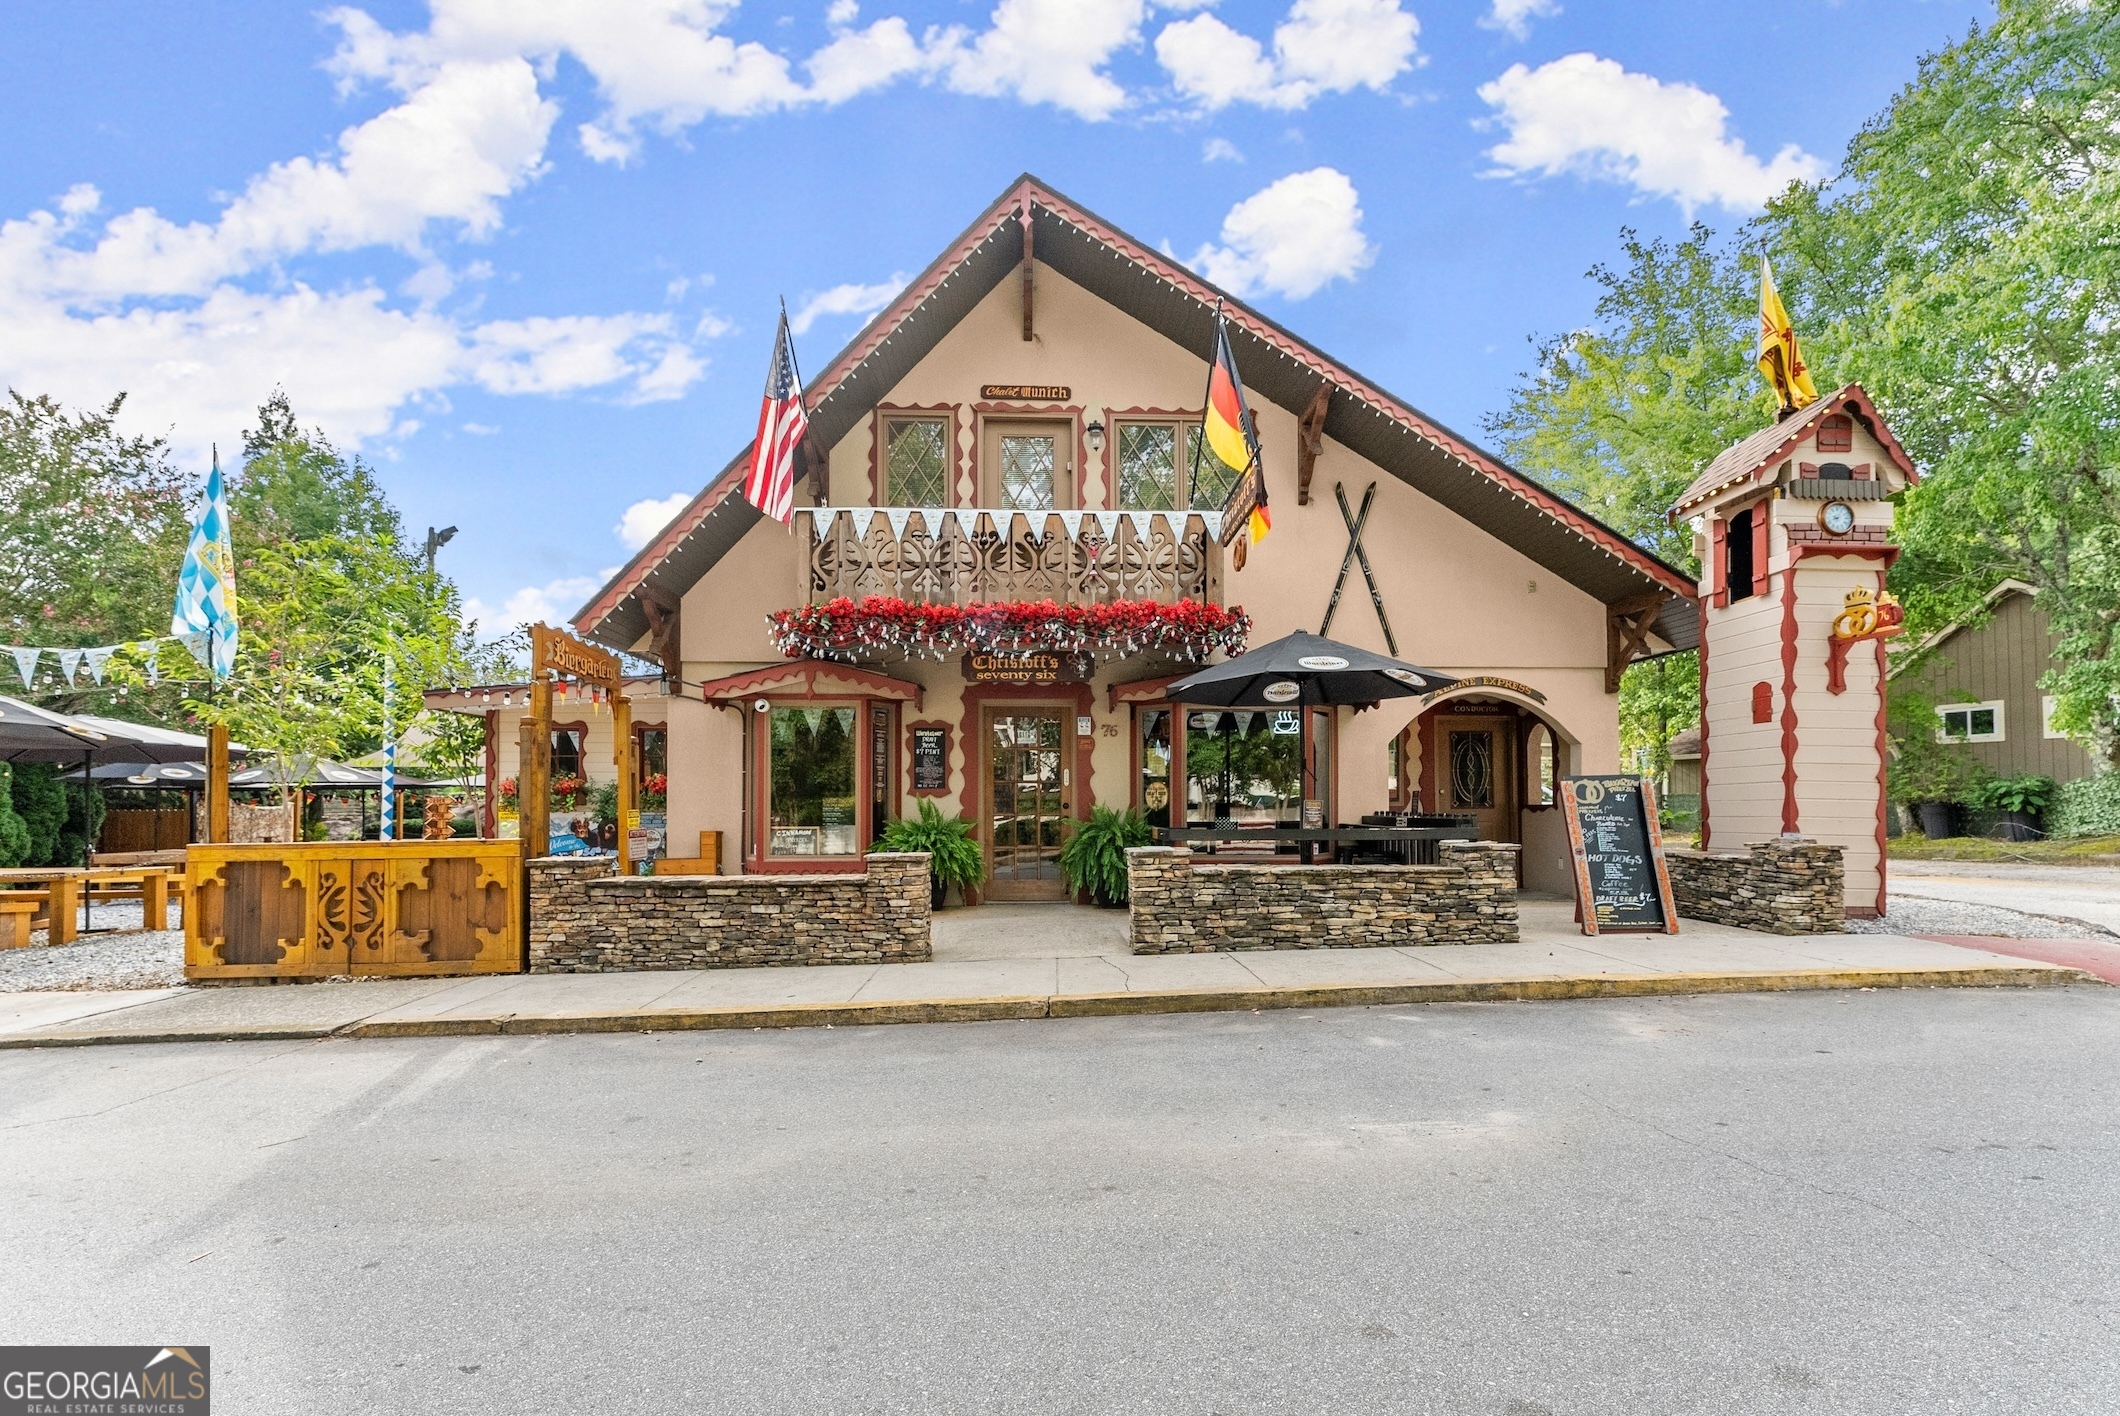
847	629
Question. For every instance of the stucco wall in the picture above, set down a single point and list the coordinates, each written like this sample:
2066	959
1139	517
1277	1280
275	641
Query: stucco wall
1461	601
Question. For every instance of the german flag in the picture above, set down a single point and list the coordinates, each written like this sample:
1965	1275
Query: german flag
1232	436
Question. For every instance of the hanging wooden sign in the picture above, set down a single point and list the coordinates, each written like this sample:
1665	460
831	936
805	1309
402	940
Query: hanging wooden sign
1037	666
1027	393
1621	883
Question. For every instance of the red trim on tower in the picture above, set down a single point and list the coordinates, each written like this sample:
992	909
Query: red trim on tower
1883	755
1703	695
1790	824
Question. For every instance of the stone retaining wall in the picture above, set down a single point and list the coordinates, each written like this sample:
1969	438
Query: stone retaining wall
585	919
1180	907
1786	886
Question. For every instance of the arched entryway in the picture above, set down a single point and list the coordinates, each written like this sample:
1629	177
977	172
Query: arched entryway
1490	754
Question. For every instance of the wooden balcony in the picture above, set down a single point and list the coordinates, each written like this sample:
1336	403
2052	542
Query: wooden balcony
965	555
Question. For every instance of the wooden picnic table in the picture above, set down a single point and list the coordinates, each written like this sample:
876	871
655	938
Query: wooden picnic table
64	886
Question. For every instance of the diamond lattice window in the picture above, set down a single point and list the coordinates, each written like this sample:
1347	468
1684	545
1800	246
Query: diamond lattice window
917	453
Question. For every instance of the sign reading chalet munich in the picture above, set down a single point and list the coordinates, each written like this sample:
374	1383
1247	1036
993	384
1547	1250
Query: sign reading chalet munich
1006	546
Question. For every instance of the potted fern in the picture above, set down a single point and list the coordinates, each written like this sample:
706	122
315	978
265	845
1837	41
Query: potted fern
1094	855
954	856
2022	802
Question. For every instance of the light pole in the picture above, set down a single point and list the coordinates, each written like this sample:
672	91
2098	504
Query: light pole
435	541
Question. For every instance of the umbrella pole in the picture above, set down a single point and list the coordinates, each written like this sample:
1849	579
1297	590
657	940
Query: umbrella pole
88	847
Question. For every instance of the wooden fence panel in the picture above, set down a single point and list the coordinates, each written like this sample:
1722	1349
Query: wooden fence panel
145	830
376	908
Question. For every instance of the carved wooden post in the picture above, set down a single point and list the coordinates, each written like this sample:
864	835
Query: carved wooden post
217	784
622	754
533	771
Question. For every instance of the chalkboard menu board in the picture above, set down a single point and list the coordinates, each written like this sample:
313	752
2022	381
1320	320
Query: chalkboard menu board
931	759
1620	880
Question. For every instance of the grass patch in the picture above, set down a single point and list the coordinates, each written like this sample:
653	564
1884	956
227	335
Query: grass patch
2080	850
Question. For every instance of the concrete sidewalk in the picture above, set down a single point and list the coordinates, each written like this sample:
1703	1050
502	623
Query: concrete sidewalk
1028	961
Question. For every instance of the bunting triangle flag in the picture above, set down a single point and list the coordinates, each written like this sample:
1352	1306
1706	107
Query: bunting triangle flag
196	643
26	663
69	663
97	658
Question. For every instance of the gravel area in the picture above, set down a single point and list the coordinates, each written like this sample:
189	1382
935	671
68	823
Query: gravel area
133	959
1905	914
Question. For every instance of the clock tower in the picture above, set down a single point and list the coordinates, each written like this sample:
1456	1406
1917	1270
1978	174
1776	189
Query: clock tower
1793	527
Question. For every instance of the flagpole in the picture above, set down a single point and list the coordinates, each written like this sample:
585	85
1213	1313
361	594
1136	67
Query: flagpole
1192	481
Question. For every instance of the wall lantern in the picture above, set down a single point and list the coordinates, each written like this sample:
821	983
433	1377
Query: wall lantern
1094	435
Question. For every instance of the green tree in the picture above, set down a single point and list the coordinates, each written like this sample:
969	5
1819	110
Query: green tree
14	831
96	527
330	596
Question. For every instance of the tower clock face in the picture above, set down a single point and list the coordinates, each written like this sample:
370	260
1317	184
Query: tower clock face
1837	517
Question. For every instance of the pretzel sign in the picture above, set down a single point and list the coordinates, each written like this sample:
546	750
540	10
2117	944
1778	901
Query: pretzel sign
1864	614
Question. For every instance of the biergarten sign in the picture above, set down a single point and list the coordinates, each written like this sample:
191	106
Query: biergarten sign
1621	883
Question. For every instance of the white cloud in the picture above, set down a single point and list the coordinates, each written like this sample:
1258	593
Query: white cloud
644	519
845	300
479	430
1220	150
1514	17
1324	46
1291	239
1044	51
1588	116
552	603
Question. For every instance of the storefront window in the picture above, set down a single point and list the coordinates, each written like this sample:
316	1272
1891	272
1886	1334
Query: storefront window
1155	765
813	800
654	753
1243	765
567	744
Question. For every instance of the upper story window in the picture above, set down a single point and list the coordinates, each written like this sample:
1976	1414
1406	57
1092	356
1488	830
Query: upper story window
1737	555
1156	462
916	457
1028	466
1836	433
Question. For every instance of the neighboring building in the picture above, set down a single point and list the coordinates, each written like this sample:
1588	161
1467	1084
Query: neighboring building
1016	428
1683	784
1793	529
1983	674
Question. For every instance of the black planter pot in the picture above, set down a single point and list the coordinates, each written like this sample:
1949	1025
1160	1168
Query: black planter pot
938	888
1936	818
2019	826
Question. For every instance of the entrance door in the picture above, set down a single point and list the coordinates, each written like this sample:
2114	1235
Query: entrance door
1027	799
1476	772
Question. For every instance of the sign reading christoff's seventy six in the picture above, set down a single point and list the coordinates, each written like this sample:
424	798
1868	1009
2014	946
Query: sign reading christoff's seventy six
105	1381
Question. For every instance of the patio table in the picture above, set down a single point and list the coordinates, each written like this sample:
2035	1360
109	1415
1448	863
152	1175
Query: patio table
1405	841
66	884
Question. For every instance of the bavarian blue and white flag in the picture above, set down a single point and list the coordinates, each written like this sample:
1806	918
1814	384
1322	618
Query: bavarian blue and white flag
206	587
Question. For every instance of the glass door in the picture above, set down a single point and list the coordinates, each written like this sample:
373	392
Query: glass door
1027	782
1476	775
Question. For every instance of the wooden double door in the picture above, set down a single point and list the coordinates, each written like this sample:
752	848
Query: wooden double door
1028	784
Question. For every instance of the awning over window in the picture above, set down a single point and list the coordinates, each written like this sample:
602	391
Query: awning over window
810	678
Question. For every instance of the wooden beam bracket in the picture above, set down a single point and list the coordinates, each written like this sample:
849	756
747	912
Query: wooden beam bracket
1310	440
1628	624
1025	216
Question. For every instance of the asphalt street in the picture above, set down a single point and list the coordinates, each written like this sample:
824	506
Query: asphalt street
1884	1202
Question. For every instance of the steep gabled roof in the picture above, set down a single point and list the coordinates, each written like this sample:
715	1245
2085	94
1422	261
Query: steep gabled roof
1174	302
2002	591
1750	459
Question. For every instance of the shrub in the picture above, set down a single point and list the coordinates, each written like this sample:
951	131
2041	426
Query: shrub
1094	857
2027	795
2089	806
41	803
14	832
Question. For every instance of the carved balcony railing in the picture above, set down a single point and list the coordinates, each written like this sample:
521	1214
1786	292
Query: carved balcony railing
966	555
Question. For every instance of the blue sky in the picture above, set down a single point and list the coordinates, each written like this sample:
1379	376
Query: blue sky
524	254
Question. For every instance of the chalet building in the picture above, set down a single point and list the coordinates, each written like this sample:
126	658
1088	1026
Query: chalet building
583	744
1017	428
1983	675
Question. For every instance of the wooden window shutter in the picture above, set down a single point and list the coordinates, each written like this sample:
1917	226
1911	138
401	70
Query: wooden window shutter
1762	702
1762	523
1718	549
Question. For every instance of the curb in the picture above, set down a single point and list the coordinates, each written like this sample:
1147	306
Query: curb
1106	1005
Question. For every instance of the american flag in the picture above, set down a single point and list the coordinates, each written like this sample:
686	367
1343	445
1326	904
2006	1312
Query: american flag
770	484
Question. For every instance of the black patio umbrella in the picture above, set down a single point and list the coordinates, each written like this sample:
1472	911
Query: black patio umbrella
32	734
1303	669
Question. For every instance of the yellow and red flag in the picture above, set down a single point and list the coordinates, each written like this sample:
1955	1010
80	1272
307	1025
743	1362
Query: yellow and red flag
1779	358
1230	435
